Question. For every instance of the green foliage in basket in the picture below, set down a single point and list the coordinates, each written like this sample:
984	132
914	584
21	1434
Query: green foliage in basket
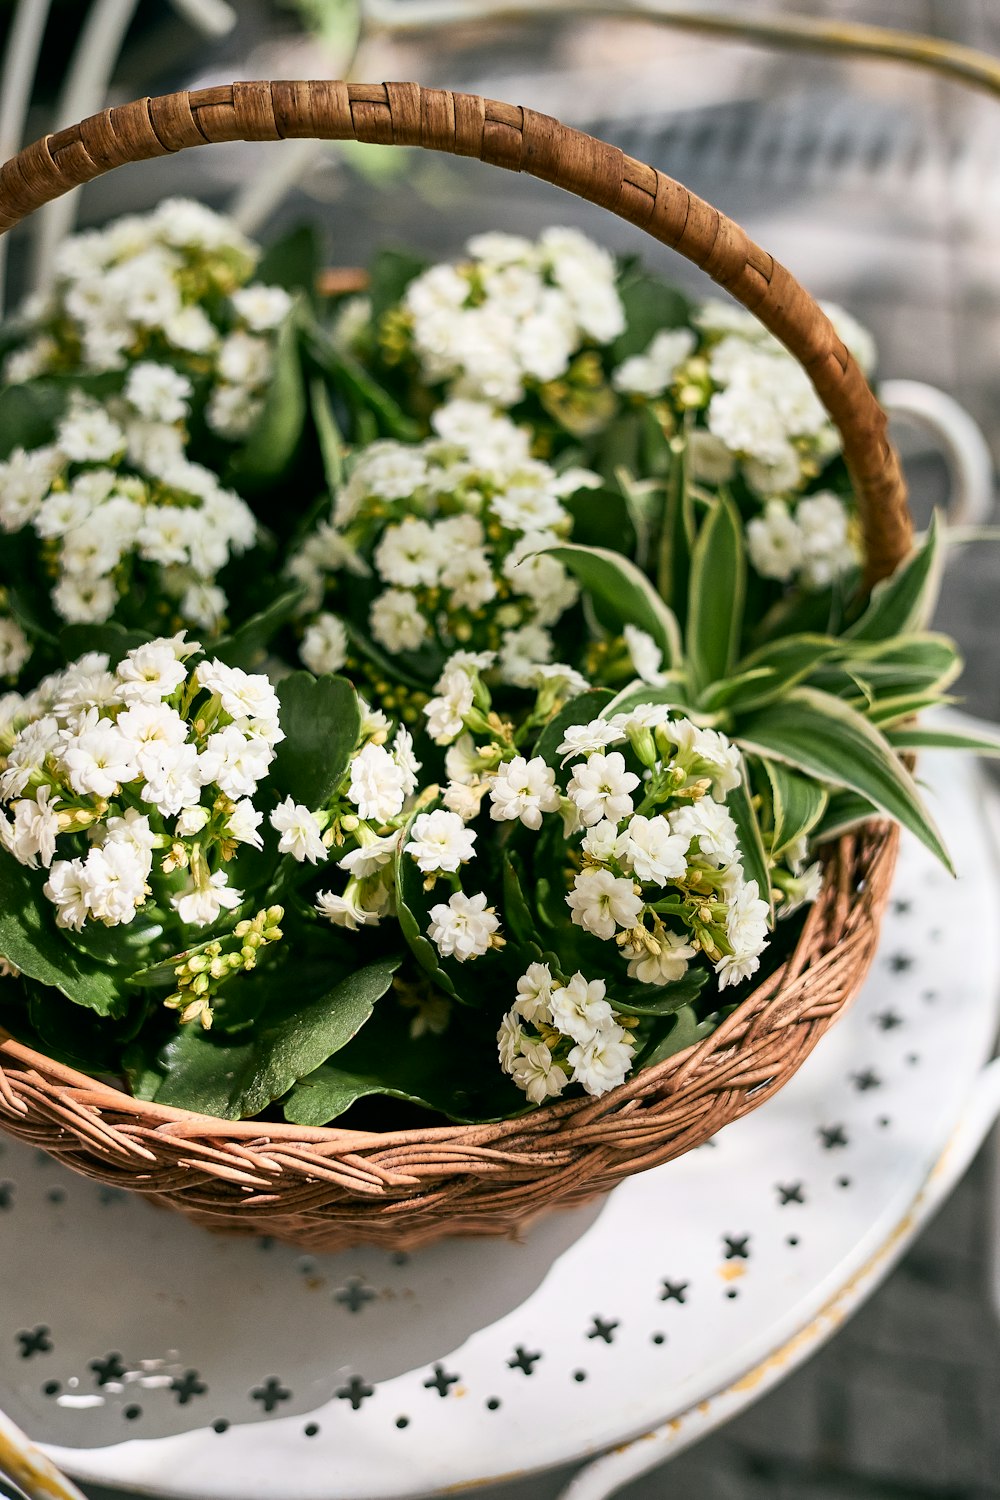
589	680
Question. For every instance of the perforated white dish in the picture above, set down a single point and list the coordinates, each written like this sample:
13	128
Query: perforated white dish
147	1353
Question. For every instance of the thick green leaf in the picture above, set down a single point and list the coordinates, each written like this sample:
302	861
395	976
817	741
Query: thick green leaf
625	595
215	1075
247	646
798	804
321	719
829	740
292	262
391	273
331	439
602	518
361	389
30	939
905	601
650	305
787	662
114	640
717	595
582	710
28	414
271	445
673	693
456	1074
845	810
685	1030
660	1000
887	713
753	856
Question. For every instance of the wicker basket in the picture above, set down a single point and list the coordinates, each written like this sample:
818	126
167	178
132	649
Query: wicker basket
326	1188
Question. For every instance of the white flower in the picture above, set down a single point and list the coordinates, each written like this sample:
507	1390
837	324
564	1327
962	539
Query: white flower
534	991
151	672
372	855
192	820
84	601
706	752
522	650
68	888
244	822
244	360
663	967
24	482
603	843
14	648
301	832
654	852
523	789
439	840
158	391
746	928
150	724
173	778
510	1038
347	910
600	901
774	542
115	875
650	374
324	645
536	1074
579	1008
397	622
99	759
410	554
234	762
402	754
600	788
88	436
603	1063
464	928
712	825
464	798
131	828
446	713
582	739
32	745
377	784
262	307
647	658
199	906
204	605
469	578
32	835
248	697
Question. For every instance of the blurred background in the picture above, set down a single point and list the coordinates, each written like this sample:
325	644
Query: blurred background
876	183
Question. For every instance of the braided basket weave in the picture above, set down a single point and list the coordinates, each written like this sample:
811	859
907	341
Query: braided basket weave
326	1188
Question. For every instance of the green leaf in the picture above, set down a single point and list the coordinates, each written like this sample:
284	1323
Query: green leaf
413	905
829	740
602	518
660	1000
215	1075
625	594
274	438
684	1032
456	1074
293	262
579	710
717	595
321	719
247	646
360	388
28	414
931	738
114	640
845	811
673	693
787	662
752	853
391	273
521	922
30	939
650	305
331	439
798	804
904	602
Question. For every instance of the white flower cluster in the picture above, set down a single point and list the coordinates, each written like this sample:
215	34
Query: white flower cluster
376	799
145	776
15	648
560	1033
118	506
813	541
514	315
761	413
454	529
169	286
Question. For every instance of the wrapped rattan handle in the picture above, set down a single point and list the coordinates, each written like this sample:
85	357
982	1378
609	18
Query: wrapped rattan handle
505	135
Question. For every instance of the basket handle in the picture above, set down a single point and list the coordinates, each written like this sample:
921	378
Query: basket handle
522	140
